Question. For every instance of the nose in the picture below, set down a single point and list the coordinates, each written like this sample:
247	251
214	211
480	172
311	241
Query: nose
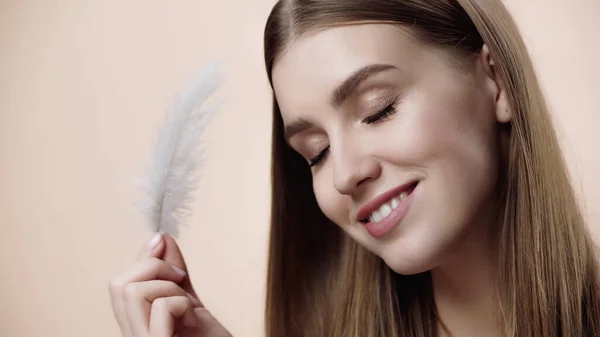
352	167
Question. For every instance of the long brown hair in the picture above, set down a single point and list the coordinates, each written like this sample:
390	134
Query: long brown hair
322	283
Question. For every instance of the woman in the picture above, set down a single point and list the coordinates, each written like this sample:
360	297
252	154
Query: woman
418	187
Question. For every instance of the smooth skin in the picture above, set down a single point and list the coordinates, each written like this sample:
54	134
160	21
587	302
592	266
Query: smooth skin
424	115
155	298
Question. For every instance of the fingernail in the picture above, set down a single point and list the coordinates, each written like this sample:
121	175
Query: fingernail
179	270
154	241
192	298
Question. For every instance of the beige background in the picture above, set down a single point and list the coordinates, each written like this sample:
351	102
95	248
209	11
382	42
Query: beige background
83	85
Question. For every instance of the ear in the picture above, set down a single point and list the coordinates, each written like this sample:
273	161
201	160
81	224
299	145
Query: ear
503	110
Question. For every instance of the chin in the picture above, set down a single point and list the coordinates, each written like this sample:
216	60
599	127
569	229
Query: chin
408	267
423	243
411	255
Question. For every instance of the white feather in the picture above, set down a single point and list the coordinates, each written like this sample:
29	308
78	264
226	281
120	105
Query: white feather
177	161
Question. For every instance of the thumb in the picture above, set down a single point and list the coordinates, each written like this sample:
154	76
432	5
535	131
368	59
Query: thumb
172	255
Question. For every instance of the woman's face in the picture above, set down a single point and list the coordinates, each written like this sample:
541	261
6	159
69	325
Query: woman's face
402	142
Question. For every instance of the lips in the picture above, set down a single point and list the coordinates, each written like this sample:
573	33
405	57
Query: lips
383	213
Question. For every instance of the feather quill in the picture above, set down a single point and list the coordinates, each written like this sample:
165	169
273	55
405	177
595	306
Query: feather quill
176	162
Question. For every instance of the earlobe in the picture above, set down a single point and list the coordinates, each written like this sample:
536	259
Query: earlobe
503	110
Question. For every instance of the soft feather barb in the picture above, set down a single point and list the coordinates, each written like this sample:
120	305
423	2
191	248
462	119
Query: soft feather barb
176	159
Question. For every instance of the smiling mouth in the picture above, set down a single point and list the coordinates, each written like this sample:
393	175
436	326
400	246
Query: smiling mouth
380	208
386	211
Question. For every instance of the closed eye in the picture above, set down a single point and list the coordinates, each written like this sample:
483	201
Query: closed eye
316	159
388	110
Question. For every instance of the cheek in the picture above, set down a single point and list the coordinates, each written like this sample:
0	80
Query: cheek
461	156
456	126
453	143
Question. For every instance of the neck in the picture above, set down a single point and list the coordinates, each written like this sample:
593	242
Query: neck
464	288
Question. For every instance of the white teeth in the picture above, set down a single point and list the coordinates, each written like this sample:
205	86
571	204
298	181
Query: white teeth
395	203
386	208
375	217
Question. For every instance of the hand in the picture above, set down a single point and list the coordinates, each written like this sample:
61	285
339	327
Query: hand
155	297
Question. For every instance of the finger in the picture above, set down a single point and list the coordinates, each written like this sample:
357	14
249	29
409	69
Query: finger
153	248
149	291
121	317
172	255
138	302
151	269
166	311
118	306
146	270
140	296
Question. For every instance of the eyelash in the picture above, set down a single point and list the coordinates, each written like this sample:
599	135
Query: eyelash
389	110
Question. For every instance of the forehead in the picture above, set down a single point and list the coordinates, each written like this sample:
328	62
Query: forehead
314	64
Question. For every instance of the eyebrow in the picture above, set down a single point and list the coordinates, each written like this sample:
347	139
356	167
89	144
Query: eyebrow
350	84
339	95
296	127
